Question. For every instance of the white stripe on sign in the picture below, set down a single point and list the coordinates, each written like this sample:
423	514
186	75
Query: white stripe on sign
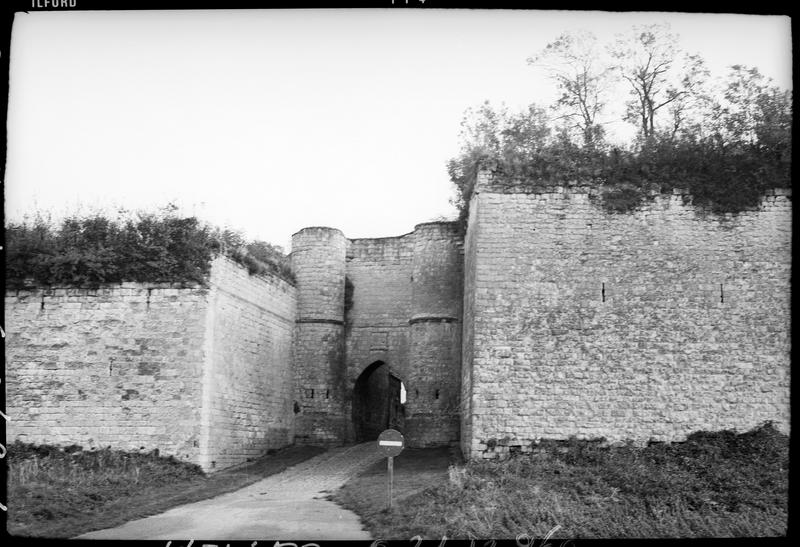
390	443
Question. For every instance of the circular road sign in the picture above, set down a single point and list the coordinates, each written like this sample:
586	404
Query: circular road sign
390	443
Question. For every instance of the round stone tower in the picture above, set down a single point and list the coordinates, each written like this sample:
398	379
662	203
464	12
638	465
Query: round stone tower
434	381
318	261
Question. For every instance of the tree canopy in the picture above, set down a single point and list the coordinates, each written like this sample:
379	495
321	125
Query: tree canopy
726	140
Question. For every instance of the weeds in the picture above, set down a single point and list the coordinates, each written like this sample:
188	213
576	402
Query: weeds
76	478
713	484
64	491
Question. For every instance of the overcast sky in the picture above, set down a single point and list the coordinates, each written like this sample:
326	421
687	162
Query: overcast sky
270	121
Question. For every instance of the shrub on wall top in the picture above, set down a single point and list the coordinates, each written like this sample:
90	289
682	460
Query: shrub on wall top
149	247
726	143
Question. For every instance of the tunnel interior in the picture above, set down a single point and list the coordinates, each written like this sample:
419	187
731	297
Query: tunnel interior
377	402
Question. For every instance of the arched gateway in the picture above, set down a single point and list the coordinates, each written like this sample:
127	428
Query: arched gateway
365	306
377	402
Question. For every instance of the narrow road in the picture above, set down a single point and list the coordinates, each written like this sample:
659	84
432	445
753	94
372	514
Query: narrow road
287	505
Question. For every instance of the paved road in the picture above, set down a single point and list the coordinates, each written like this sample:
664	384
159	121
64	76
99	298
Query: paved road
284	506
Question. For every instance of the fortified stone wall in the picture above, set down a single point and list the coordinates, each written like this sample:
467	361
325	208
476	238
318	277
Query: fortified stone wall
435	352
117	366
645	325
406	312
399	300
379	274
248	383
468	331
648	325
318	260
200	373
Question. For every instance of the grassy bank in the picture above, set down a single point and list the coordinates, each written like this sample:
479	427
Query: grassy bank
63	492
415	470
713	485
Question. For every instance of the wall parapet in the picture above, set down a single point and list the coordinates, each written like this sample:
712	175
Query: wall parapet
487	183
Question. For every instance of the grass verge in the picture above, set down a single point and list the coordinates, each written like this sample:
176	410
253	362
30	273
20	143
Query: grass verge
63	492
718	484
415	469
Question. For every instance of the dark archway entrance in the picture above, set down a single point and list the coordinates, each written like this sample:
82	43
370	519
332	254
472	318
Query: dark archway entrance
377	403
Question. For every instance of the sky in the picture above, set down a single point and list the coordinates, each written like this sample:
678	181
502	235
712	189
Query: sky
268	121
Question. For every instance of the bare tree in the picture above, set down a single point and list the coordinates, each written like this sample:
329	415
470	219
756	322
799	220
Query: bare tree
659	75
572	60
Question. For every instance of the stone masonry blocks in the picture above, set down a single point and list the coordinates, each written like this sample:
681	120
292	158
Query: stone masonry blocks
318	260
548	318
248	381
116	366
435	335
640	326
201	373
403	309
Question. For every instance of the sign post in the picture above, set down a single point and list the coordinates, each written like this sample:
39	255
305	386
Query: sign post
390	444
391	480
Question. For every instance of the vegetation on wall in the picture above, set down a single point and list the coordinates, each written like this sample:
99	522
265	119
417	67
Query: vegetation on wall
145	247
726	142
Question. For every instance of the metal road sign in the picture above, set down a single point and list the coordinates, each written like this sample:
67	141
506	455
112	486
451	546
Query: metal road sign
390	443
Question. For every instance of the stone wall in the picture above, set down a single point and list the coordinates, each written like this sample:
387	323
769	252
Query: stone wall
432	416
318	260
468	331
648	325
401	305
248	383
406	312
201	373
549	318
379	271
117	366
